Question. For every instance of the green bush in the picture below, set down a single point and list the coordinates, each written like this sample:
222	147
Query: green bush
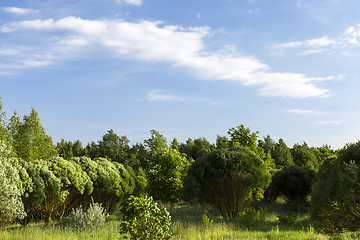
227	179
292	182
94	216
143	219
335	200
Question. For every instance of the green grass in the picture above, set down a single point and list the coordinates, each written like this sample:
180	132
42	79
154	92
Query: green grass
187	223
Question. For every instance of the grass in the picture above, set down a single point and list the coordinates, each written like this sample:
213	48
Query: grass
188	223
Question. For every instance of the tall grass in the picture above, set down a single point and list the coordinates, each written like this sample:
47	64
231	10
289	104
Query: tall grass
188	223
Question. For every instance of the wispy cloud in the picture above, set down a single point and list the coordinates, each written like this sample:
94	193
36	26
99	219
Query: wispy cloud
19	11
300	111
349	38
133	2
155	95
183	47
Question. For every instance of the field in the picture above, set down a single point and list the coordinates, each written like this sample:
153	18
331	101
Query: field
190	222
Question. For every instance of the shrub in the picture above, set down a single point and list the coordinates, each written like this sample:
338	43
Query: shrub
94	216
227	179
292	182
143	219
11	206
335	200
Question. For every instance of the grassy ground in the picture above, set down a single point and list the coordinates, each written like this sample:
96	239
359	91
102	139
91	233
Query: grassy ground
189	222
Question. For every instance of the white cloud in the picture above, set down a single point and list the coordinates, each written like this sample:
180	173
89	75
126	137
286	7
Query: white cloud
299	111
348	39
134	2
157	96
19	11
183	47
312	51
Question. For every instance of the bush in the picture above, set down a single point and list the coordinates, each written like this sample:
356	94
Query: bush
335	200
143	219
292	182
94	216
11	206
227	179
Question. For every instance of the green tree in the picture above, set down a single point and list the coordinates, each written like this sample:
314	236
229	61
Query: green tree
157	143
281	154
165	175
335	199
222	142
114	147
4	131
175	144
241	136
11	206
304	156
220	164
30	139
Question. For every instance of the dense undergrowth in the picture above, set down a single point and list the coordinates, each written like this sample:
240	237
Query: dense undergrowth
260	221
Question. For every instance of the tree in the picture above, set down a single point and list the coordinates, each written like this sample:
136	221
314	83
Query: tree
165	175
241	136
281	154
30	139
11	206
292	182
304	156
267	144
335	199
221	166
114	147
4	131
222	142
157	143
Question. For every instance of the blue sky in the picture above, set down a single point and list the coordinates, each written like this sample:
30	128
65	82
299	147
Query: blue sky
286	68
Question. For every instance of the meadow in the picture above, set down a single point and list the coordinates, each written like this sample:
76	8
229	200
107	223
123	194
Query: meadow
260	221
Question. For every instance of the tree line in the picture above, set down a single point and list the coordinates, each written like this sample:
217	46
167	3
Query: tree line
51	179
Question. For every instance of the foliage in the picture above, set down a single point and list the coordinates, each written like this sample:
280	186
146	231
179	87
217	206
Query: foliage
30	139
281	154
114	147
67	149
222	166
165	175
227	193
304	156
196	148
157	143
11	206
143	219
94	216
289	218
292	182
335	204
241	136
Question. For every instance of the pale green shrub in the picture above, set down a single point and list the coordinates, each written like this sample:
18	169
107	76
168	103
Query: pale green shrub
11	206
94	216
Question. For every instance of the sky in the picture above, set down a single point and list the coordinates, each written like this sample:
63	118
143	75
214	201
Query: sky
188	69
